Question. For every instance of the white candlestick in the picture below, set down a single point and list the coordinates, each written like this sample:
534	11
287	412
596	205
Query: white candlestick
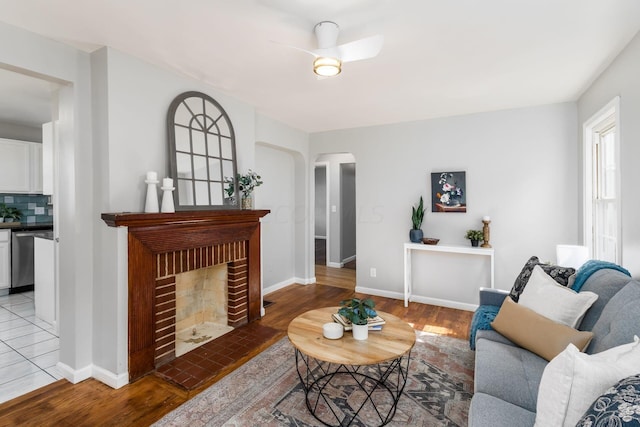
167	183
486	218
151	202
152	176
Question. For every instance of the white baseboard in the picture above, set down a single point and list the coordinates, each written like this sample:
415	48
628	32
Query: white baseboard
74	376
419	299
309	281
443	303
379	293
321	237
109	378
279	285
335	264
348	259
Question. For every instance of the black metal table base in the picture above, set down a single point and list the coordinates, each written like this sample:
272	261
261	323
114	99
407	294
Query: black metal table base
342	395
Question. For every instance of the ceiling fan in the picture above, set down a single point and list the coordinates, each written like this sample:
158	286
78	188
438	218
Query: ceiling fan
329	57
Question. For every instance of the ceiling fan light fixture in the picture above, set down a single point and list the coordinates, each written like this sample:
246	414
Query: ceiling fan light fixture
327	66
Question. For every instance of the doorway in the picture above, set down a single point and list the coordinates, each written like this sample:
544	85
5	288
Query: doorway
335	224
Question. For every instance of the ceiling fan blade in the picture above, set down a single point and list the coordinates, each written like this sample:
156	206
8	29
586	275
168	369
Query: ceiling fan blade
360	49
296	48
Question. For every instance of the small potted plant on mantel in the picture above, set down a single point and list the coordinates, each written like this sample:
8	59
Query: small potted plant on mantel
358	312
475	236
417	215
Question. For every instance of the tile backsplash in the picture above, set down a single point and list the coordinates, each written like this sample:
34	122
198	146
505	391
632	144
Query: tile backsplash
35	208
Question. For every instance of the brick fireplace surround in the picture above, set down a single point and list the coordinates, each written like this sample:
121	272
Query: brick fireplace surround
163	245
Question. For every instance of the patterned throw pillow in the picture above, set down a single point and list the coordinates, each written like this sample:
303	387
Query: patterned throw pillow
559	274
618	406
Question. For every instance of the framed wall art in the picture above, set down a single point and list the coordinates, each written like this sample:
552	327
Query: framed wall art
448	192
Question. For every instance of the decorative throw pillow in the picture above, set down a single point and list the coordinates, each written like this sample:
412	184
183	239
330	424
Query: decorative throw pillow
546	297
535	332
573	380
557	273
618	406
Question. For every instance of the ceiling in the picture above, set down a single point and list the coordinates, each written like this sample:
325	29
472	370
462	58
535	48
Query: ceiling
440	58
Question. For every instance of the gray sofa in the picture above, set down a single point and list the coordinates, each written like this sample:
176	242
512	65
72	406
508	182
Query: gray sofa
507	377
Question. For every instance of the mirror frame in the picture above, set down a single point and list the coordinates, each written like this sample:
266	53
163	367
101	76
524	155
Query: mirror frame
213	112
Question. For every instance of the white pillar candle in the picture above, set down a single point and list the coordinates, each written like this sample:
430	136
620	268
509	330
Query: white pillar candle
167	182
152	176
486	218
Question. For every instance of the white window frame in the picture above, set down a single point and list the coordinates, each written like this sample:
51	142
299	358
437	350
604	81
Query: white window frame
590	130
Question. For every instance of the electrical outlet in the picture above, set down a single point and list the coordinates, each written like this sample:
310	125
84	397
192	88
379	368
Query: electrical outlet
372	272
334	208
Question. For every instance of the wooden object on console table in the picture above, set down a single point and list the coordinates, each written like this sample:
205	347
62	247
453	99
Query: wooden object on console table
150	234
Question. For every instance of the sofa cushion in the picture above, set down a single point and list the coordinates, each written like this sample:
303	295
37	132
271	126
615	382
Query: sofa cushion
535	332
619	321
557	273
493	336
508	373
606	283
572	381
554	301
618	406
489	411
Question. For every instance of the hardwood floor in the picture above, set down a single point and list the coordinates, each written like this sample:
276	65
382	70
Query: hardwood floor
91	403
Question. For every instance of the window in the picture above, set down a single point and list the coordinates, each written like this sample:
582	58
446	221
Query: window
602	232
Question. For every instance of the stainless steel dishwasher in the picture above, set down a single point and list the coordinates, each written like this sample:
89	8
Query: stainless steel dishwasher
22	261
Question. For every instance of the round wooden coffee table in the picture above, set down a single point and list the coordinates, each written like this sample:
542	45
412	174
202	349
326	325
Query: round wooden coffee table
346	379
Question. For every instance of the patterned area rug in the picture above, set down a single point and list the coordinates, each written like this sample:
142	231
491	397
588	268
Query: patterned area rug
266	391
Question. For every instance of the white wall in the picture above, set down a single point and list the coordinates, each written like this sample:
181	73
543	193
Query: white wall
521	170
277	169
320	201
20	132
25	52
620	79
274	134
347	211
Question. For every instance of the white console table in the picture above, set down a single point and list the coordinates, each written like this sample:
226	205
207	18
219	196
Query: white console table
468	250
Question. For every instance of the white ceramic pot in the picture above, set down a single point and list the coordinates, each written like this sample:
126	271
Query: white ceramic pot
360	332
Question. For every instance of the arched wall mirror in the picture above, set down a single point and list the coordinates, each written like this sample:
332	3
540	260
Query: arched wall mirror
202	153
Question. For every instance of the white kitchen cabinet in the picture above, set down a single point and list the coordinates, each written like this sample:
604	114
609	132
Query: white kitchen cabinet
43	280
20	166
48	137
5	259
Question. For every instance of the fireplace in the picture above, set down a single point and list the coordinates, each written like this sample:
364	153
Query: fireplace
160	246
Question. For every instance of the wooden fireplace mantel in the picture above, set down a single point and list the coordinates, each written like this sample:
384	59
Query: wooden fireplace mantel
150	236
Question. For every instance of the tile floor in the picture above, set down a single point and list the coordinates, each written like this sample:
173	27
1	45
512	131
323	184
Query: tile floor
29	348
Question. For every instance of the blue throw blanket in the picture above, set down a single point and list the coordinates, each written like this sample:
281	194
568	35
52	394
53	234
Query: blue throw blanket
482	319
590	267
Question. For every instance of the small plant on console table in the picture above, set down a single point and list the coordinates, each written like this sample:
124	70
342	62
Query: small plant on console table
358	312
417	215
475	236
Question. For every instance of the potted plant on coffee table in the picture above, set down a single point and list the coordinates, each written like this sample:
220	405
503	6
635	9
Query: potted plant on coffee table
358	312
475	236
417	215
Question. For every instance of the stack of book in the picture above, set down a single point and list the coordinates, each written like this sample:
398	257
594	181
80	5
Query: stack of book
374	323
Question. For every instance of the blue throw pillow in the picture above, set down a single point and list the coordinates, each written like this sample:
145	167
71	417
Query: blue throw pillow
618	406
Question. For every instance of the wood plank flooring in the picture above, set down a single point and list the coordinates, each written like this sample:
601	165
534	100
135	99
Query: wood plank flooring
91	403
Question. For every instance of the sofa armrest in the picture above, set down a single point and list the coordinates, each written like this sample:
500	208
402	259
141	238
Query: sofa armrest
489	296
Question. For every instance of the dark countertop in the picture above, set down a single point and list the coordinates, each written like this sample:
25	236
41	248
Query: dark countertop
18	226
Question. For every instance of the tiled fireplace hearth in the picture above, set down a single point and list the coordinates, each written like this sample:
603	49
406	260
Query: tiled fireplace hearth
160	246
